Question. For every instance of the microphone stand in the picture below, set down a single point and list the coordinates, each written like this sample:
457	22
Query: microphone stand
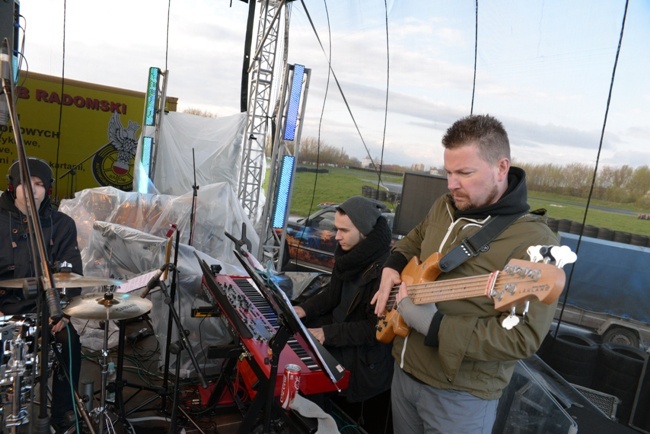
194	194
169	321
52	308
73	172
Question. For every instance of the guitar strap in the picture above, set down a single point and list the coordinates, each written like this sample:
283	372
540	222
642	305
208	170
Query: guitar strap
472	246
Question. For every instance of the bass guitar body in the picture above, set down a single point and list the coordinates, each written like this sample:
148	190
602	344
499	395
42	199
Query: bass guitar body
416	271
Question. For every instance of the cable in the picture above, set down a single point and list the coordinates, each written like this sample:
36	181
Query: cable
593	179
320	127
58	138
169	8
338	85
70	377
471	109
383	136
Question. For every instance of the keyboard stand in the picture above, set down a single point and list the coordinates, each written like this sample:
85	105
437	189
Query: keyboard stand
265	396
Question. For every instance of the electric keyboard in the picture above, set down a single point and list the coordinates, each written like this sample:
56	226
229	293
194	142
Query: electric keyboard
255	322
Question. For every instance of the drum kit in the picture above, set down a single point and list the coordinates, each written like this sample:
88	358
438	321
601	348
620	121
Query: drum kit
19	350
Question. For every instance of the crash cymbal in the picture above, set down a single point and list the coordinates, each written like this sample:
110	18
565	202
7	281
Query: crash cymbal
107	306
63	280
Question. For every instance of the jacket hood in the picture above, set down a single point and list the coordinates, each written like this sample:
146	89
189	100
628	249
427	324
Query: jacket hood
513	201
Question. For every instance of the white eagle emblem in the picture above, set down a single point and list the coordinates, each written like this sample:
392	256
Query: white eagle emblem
124	140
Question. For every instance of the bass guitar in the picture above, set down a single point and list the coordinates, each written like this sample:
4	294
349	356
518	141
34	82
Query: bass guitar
517	284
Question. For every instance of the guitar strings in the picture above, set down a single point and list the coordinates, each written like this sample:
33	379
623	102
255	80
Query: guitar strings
468	287
416	290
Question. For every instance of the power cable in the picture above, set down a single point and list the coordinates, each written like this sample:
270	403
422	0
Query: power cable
320	126
58	137
595	172
383	136
471	109
338	85
169	8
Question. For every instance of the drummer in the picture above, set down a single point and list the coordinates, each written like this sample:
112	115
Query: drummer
60	242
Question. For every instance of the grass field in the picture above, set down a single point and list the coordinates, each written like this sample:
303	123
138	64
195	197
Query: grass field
310	189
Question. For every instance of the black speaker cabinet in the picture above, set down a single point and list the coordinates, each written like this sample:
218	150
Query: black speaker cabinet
419	191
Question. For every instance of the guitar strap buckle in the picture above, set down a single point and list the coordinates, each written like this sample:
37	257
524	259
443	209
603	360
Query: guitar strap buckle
457	256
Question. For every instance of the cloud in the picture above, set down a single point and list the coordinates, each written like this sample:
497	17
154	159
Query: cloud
545	70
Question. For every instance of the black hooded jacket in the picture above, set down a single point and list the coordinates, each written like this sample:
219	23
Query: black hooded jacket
16	259
348	320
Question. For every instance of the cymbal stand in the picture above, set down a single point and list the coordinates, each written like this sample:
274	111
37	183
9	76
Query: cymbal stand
182	344
120	383
171	298
80	407
16	368
102	411
104	365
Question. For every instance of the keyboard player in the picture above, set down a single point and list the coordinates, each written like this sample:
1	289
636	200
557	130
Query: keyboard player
343	320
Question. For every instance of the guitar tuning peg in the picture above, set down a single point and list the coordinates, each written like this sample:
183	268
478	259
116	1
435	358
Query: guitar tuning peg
511	320
563	255
525	313
534	254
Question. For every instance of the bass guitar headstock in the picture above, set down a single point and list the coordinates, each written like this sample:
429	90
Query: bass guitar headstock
559	256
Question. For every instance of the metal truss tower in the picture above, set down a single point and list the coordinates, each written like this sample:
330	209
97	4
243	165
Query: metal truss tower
259	106
284	158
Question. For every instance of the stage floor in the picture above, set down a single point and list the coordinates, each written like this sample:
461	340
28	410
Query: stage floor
147	403
148	406
147	397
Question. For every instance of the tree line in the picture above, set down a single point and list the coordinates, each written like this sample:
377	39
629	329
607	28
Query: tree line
623	184
312	152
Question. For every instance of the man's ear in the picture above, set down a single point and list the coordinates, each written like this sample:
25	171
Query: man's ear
504	168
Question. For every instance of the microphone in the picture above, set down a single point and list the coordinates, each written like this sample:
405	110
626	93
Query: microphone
155	280
54	305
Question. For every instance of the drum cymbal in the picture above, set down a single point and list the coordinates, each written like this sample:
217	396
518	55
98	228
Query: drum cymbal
62	280
107	306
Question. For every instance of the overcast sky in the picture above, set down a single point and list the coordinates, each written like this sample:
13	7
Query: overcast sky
543	67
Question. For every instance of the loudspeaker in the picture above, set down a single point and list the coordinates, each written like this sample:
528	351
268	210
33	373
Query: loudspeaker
9	29
419	191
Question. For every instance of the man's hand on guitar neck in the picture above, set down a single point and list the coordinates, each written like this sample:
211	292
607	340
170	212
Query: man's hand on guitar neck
389	279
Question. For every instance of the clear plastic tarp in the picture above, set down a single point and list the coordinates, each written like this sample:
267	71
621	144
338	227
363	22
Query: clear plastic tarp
194	146
123	234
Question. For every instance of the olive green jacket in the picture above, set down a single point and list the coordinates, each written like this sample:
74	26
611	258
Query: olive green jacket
474	353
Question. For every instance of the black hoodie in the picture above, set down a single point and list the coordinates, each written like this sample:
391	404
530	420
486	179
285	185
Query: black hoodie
16	259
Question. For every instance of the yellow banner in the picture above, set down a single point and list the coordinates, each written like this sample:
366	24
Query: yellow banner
87	132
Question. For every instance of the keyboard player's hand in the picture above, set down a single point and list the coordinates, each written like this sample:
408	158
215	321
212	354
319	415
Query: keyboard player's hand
299	311
318	334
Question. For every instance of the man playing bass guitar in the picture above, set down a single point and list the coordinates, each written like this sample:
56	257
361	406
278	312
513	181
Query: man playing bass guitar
456	360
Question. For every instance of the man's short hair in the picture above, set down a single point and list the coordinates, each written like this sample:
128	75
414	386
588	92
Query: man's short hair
485	130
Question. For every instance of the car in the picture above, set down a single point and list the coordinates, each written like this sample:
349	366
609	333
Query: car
310	242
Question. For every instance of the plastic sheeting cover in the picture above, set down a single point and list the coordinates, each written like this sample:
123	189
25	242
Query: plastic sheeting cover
217	146
217	211
123	234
